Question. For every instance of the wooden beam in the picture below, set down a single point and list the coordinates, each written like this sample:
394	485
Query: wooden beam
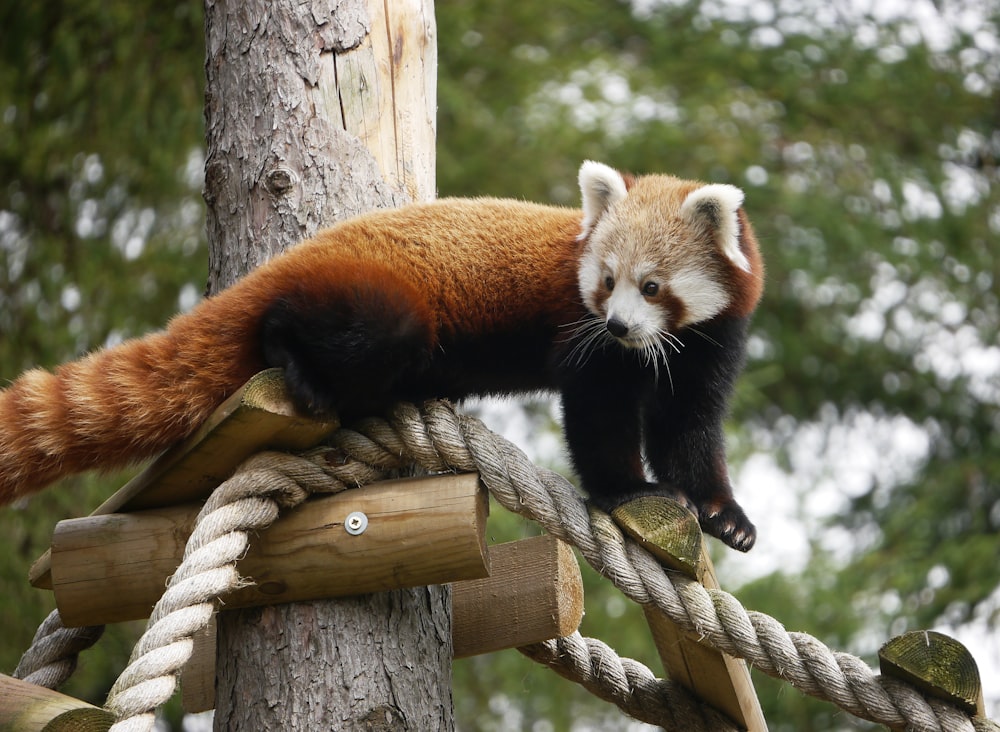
420	531
534	593
671	533
256	417
198	675
937	665
26	707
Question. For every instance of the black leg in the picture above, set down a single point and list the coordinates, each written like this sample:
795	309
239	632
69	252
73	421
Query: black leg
685	445
602	405
343	351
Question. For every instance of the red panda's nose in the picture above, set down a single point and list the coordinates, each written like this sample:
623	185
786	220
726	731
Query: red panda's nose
617	327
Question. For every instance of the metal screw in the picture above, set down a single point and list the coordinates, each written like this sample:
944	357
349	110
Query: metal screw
356	523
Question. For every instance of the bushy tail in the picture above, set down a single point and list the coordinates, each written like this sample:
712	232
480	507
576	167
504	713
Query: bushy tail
118	405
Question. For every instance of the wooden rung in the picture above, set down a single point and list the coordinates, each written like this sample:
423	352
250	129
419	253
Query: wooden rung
26	707
937	665
671	533
534	593
258	416
420	531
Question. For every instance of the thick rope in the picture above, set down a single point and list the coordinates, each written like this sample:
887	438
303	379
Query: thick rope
51	659
249	501
439	439
628	684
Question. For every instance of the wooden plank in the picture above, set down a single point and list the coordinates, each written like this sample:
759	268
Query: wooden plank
534	593
937	665
671	533
420	531
198	675
258	416
26	707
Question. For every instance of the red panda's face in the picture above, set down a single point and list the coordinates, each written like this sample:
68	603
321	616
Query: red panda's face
659	255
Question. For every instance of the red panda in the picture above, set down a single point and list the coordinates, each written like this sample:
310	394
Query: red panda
635	310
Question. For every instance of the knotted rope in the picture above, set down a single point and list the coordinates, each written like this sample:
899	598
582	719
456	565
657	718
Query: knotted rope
438	439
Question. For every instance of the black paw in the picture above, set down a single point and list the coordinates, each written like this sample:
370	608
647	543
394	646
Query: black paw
311	395
727	522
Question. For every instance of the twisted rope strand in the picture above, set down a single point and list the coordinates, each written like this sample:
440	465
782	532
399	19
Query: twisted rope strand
52	656
249	501
628	684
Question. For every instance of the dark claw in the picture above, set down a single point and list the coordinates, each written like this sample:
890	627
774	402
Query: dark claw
728	524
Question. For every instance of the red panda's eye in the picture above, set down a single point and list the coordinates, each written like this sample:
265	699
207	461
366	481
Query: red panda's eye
650	289
609	282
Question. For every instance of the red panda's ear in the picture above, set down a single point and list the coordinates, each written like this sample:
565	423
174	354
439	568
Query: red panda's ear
601	187
715	207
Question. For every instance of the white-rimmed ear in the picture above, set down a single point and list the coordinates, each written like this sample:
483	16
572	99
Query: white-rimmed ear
602	187
715	206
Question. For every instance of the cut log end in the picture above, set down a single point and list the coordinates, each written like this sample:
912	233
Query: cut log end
665	528
26	707
937	665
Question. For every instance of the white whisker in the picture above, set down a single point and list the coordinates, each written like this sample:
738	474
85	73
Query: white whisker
675	342
588	332
660	346
706	336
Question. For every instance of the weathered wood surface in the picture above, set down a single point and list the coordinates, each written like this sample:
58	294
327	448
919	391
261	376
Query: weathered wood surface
534	593
420	531
937	665
256	417
26	707
671	533
284	160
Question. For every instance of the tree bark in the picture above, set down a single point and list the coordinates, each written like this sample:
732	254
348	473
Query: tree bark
316	112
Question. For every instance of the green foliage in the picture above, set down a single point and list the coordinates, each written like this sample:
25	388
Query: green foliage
100	228
868	150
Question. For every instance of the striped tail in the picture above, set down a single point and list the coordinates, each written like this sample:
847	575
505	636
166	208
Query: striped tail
117	406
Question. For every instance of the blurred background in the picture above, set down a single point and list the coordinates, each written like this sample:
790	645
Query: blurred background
865	437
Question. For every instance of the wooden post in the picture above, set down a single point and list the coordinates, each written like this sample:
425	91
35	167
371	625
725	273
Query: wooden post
420	531
534	593
316	112
27	707
257	417
671	533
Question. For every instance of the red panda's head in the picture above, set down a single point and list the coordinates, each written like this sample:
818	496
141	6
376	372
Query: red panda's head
661	253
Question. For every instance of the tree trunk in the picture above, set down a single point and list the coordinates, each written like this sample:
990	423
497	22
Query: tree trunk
316	112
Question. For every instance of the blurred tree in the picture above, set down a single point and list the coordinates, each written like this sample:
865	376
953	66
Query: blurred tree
867	144
101	226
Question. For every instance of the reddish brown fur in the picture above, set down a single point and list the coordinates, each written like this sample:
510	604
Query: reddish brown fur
129	402
461	267
747	287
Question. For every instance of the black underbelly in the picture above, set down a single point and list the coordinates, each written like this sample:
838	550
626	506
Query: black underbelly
505	363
